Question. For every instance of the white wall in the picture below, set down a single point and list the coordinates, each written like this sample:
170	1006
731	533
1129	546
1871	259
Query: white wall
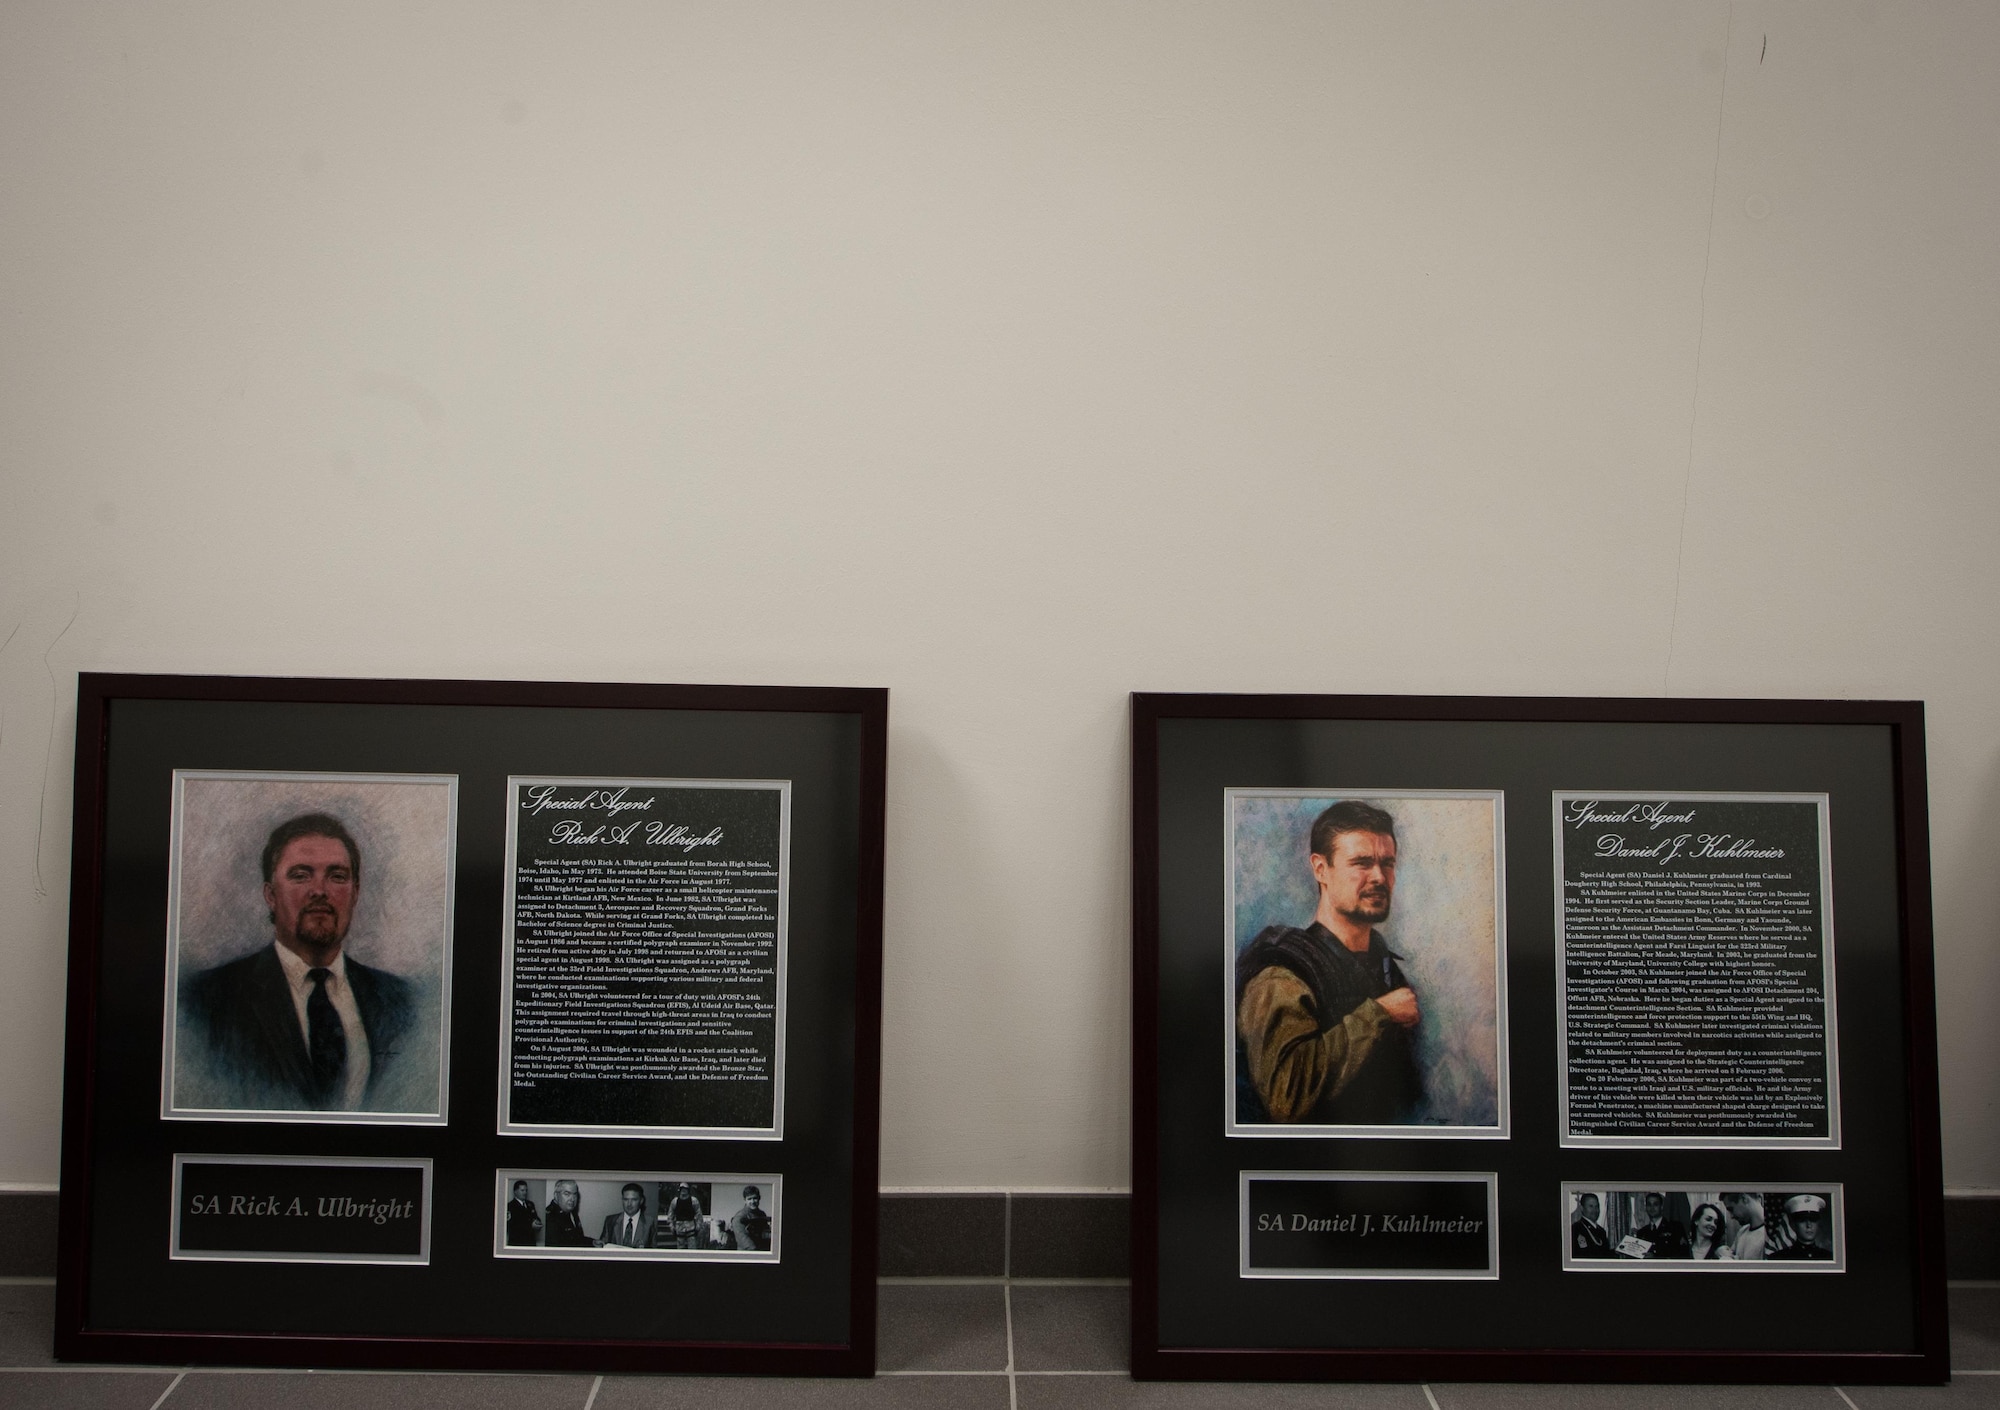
1013	356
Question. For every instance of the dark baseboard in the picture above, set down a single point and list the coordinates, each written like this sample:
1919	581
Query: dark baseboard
1972	1238
943	1236
27	1234
991	1236
1005	1235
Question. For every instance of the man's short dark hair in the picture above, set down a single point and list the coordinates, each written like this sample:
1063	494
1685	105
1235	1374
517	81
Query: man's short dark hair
1348	816
634	1188
752	1192
311	825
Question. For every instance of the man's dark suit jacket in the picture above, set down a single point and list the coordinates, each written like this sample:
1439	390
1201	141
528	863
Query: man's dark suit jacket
613	1223
244	1009
1668	1238
1588	1240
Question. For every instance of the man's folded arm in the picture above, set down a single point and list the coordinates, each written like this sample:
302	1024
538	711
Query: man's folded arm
1294	1063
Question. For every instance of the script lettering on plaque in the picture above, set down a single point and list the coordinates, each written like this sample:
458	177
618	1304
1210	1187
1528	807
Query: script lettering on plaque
1326	1224
1695	953
281	1209
645	955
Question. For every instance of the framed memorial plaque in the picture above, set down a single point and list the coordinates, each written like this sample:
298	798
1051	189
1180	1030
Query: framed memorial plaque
426	1023
1442	1006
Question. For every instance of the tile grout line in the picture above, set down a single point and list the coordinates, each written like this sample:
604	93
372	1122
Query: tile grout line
94	1369
1007	1292
1126	1374
953	1280
1013	1390
172	1386
1843	1395
595	1387
1000	1372
1431	1398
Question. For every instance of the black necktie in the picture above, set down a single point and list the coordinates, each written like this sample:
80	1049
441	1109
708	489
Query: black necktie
326	1040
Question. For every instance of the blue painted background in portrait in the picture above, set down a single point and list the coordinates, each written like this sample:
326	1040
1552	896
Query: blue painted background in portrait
1442	926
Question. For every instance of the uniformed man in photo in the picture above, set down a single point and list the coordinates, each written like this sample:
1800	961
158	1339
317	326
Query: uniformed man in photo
1807	1216
1665	1236
1587	1238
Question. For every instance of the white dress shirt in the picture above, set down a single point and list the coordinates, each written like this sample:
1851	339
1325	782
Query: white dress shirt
354	1076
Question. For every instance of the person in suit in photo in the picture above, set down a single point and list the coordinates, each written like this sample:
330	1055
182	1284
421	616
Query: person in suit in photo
1587	1238
1666	1236
524	1222
298	1024
631	1227
565	1225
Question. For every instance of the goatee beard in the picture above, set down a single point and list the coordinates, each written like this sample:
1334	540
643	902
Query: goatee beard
1365	914
317	929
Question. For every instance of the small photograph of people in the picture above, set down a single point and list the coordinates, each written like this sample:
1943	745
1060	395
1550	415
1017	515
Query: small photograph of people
1666	1229
607	1214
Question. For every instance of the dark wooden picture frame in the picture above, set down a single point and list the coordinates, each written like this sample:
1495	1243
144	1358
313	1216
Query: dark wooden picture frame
125	1290
1197	1315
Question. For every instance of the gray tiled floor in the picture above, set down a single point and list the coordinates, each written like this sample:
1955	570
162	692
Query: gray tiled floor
939	1327
883	1393
943	1346
1965	1393
1071	1328
1119	1393
319	1390
83	1390
1586	1397
1975	1327
27	1324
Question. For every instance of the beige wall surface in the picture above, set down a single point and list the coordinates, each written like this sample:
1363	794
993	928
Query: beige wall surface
1012	356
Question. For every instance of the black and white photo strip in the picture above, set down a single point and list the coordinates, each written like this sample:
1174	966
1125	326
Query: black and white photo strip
1798	1229
623	1214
